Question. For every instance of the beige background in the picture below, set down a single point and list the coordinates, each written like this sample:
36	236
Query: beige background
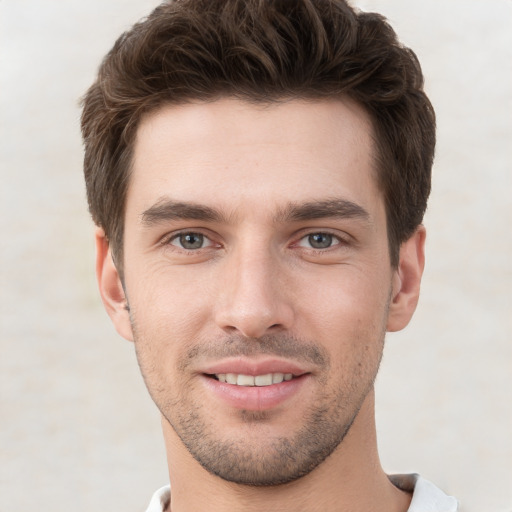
77	429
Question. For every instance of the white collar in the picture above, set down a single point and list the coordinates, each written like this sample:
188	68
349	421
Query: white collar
426	496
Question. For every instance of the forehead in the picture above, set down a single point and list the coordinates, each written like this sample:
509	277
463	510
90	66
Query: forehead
237	154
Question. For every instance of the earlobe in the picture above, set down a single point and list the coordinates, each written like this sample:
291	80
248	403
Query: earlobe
407	280
111	288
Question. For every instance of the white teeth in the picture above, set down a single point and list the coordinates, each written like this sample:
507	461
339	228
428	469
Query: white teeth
277	378
249	380
231	378
245	380
263	380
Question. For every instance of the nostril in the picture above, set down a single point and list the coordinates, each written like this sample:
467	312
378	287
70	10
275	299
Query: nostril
253	318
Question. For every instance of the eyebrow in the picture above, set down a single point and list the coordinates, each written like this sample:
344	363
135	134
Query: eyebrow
167	209
330	208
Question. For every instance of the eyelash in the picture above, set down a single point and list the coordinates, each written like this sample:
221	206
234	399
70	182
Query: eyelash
335	241
176	236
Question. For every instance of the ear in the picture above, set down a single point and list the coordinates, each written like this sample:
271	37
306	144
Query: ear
111	287
407	280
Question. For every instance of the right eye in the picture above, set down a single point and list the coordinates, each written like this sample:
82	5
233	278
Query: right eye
319	240
190	241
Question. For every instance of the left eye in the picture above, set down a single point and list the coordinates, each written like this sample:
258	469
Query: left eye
190	241
319	241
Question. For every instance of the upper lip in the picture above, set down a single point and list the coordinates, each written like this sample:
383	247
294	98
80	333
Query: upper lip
244	366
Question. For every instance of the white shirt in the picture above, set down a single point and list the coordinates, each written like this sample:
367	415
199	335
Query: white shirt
426	496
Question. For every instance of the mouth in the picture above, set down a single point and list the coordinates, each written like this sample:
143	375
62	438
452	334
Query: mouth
240	379
256	384
253	390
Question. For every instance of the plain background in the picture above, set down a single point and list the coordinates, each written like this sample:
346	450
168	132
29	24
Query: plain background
78	431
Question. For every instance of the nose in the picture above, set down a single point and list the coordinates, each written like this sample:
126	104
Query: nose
254	298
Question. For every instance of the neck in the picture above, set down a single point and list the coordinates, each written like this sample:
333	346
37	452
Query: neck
350	479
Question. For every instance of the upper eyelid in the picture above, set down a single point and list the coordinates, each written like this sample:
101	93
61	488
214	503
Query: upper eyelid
209	244
337	240
174	234
296	237
342	236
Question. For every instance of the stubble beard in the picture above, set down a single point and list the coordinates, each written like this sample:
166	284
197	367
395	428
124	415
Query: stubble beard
281	460
268	461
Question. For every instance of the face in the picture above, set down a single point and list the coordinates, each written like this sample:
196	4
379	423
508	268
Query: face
258	279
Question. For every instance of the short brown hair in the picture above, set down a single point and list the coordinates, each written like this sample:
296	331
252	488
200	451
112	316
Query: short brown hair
261	51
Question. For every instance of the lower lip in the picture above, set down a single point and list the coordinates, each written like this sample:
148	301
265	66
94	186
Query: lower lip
255	398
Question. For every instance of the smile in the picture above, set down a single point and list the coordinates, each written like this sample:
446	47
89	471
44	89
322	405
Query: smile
253	380
256	392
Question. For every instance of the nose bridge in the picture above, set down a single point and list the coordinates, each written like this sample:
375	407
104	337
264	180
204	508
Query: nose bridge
253	299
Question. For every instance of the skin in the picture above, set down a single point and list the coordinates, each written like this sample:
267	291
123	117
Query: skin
288	265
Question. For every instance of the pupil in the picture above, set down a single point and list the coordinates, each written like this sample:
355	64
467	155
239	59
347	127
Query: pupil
191	241
320	240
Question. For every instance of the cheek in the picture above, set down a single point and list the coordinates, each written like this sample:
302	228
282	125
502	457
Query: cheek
344	298
166	320
172	300
347	313
165	323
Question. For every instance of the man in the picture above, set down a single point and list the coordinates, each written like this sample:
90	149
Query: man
258	172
